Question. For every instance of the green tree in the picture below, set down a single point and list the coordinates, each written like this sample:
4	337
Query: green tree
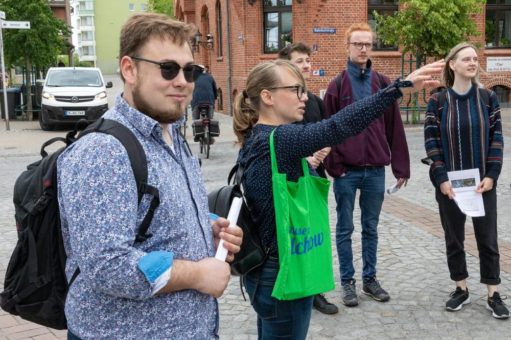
40	45
162	6
429	28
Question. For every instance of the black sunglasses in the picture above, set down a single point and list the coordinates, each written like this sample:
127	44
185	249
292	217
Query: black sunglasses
170	69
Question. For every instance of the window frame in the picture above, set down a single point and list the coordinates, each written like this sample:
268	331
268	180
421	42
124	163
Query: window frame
219	30
499	8
378	45
279	9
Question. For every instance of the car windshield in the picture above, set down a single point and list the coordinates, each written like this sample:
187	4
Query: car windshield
78	78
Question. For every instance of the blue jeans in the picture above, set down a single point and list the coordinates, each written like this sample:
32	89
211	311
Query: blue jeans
276	319
371	183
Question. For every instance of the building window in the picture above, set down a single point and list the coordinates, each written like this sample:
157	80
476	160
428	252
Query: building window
219	51
131	7
278	24
498	24
382	7
220	100
88	51
143	7
87	36
87	21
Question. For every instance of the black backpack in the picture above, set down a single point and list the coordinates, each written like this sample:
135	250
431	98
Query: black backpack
35	286
252	254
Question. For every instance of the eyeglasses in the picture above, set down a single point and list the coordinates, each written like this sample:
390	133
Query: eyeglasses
361	45
300	90
170	69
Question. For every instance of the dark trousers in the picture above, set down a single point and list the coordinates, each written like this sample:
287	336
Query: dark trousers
485	230
196	112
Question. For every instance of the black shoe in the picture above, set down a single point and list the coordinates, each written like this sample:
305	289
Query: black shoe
458	299
349	294
497	307
322	305
372	288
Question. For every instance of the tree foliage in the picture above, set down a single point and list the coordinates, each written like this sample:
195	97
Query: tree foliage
43	42
162	6
430	28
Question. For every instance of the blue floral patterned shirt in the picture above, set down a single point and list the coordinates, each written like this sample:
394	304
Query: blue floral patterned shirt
112	298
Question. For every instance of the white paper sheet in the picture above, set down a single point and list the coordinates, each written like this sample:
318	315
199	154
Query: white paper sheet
464	184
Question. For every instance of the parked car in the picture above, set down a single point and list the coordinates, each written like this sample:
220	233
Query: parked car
72	93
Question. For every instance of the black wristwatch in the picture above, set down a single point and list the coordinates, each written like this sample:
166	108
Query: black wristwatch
403	83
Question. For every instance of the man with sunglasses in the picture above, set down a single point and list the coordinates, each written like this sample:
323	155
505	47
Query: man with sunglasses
358	163
166	286
300	55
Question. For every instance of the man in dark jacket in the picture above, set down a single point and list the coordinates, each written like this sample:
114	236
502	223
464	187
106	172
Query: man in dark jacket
299	54
204	93
359	163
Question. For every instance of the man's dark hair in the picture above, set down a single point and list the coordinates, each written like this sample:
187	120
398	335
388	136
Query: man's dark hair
285	53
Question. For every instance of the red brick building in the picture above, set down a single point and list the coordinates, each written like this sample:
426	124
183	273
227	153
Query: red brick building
235	35
62	10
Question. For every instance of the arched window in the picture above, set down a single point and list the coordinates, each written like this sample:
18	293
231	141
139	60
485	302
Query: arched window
278	24
498	24
219	51
219	100
503	95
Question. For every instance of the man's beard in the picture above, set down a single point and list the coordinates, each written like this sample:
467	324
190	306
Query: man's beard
168	116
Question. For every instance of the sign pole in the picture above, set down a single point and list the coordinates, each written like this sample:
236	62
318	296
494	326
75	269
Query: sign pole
4	90
15	25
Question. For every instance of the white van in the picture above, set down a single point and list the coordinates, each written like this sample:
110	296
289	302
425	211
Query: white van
72	93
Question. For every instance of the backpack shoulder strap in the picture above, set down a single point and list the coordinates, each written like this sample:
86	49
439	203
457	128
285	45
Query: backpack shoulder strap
138	160
338	81
381	80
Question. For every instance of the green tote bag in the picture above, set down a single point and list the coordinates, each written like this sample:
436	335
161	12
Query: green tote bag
303	233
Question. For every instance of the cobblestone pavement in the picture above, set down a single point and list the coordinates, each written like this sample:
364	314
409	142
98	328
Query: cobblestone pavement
411	258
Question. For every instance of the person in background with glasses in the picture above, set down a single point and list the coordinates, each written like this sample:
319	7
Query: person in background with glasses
273	100
166	286
300	55
359	163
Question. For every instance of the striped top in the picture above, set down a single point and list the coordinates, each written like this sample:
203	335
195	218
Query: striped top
464	133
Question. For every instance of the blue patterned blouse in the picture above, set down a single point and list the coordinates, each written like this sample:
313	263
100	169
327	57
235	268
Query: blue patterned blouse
292	143
111	297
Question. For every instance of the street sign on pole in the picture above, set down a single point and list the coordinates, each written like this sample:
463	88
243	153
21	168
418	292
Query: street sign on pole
23	25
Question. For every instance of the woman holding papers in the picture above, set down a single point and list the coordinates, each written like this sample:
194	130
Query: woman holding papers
463	131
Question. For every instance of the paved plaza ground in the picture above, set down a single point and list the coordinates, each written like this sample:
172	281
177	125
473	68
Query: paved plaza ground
411	256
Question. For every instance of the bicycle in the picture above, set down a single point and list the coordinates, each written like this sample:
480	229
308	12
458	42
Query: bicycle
185	123
204	129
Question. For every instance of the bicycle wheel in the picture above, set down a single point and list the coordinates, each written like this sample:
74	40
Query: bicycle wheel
185	123
183	129
207	141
